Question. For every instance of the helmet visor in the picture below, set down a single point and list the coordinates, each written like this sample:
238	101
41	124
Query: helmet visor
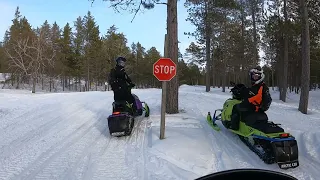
256	76
121	63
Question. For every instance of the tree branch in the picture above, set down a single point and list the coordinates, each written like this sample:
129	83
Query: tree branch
137	10
147	4
161	3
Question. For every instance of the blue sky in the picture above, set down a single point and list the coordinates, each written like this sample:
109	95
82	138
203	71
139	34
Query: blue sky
148	27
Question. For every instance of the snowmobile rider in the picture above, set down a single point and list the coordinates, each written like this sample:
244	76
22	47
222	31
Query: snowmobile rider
121	83
255	99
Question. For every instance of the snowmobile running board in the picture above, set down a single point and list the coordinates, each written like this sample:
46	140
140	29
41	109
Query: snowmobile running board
272	139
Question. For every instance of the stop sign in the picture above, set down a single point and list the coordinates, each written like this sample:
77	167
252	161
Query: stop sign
164	69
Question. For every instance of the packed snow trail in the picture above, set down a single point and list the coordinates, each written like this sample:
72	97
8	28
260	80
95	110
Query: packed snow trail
65	136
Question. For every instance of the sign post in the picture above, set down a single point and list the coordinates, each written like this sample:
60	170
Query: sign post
164	70
163	109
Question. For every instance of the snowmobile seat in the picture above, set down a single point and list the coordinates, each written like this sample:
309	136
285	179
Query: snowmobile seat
120	106
259	121
119	103
255	118
267	127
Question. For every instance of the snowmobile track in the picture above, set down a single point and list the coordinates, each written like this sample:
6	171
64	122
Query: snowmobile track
263	157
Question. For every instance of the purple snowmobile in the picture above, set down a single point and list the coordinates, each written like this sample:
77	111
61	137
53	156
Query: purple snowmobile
121	122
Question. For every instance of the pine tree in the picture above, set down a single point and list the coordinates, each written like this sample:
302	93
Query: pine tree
58	53
305	78
67	55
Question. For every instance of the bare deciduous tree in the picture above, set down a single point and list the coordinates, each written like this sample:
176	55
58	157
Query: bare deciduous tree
29	56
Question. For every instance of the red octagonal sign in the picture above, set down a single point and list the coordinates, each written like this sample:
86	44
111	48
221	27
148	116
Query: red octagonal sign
164	69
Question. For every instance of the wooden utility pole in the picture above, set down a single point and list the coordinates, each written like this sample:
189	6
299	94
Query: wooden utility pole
164	94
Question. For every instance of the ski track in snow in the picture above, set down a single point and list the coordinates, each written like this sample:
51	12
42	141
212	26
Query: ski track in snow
66	136
69	141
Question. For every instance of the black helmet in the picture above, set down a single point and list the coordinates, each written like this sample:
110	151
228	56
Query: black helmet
121	61
256	75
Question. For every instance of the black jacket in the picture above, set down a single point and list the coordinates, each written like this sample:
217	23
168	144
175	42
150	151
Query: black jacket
119	79
258	97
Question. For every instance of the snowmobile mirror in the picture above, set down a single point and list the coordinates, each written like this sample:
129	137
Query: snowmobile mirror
247	174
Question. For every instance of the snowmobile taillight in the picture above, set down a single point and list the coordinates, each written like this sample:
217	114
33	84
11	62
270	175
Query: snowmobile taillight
116	113
284	135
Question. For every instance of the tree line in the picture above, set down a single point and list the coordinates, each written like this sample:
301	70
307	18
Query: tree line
230	36
76	57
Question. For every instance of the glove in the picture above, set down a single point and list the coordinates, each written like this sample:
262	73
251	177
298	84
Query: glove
244	92
240	86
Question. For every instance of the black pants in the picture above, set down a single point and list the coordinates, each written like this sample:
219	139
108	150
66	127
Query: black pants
239	111
124	95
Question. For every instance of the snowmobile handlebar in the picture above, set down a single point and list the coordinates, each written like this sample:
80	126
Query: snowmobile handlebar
238	90
131	85
237	86
232	83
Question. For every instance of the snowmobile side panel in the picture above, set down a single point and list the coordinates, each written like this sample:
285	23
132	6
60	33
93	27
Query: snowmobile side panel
137	101
246	131
227	109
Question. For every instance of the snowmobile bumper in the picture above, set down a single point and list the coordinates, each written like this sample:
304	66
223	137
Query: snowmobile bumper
286	153
120	124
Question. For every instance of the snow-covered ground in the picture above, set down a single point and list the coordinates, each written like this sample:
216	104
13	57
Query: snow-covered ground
65	136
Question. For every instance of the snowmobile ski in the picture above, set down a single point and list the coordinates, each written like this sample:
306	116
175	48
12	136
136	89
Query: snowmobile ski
212	123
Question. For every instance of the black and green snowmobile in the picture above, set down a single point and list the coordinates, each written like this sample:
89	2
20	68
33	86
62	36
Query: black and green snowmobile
265	138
